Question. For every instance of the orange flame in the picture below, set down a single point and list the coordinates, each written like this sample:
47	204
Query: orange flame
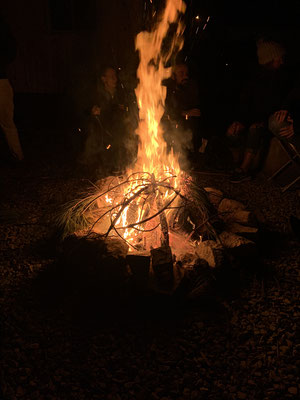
152	155
154	163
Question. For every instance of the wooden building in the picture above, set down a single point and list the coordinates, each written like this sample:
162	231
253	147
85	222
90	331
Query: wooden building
61	41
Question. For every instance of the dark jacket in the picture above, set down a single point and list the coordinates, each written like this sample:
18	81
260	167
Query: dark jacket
114	113
264	94
181	98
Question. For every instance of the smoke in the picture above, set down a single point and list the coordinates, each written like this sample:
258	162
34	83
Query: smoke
181	143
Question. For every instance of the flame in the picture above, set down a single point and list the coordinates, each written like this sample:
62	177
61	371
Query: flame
130	204
151	94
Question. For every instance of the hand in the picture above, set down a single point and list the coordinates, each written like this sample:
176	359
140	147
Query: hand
281	115
235	129
193	112
287	132
122	107
95	110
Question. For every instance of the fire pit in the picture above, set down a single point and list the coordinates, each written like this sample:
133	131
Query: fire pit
155	210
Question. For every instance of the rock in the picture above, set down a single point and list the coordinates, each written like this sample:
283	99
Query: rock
198	280
89	261
215	196
116	247
229	206
211	252
249	232
20	392
239	246
139	264
259	216
293	390
78	249
235	211
243	217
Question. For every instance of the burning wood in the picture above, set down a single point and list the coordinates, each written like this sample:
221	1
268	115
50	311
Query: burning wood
155	210
143	209
140	207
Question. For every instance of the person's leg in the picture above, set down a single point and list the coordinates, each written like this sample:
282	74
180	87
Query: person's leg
254	139
236	146
6	119
247	161
255	136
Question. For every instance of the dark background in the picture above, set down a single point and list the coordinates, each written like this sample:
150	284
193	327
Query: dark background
63	43
60	40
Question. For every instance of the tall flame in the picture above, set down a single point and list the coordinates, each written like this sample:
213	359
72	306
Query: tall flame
140	203
151	94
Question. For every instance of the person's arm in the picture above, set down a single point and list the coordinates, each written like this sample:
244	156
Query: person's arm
234	129
194	109
193	112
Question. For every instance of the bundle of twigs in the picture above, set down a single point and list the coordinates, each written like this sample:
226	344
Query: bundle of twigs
140	187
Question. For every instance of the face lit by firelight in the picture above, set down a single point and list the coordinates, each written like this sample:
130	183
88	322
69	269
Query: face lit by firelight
181	74
109	79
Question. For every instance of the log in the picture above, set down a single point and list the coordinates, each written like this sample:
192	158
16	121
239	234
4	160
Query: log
237	245
163	220
212	252
139	264
162	267
249	232
215	196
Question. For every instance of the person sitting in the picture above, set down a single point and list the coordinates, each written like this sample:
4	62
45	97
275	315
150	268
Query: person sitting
183	111
262	100
108	127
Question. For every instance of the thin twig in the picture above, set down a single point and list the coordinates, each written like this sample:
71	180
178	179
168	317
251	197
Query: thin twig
126	202
126	241
149	218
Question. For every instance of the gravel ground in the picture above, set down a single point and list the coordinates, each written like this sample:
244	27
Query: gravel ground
240	345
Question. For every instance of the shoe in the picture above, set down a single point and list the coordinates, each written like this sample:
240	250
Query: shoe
239	176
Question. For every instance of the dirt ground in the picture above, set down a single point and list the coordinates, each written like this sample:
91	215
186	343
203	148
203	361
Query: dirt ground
243	344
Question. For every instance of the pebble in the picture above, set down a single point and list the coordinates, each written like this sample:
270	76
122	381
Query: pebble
293	390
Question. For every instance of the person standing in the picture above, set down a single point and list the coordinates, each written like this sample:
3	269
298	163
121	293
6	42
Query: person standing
7	55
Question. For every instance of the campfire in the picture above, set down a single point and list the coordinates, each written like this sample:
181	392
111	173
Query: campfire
155	208
143	207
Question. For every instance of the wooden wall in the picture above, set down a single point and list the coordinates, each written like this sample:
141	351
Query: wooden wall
48	61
